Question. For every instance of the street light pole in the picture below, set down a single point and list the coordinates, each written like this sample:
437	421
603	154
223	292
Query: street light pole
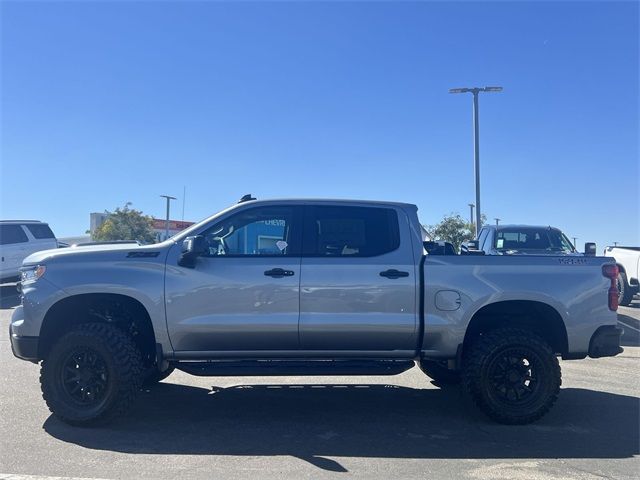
169	198
471	206
476	140
497	221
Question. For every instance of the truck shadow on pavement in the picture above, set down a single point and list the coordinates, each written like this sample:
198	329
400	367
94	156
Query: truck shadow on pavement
312	422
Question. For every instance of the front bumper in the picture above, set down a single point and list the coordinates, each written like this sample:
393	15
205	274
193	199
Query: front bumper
605	342
23	346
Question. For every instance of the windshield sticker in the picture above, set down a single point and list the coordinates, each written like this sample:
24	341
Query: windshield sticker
500	243
281	244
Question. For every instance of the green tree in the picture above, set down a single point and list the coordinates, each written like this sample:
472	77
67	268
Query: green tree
453	228
125	224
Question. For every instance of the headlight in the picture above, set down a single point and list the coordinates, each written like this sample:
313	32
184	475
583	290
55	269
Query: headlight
32	274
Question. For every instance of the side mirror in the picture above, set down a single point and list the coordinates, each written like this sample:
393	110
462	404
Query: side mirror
192	248
590	249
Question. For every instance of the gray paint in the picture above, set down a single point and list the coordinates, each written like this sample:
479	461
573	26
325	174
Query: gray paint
331	307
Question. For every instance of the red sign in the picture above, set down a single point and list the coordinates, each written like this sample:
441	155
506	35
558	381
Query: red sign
173	224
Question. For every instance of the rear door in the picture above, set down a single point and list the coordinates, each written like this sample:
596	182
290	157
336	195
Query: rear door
13	249
358	280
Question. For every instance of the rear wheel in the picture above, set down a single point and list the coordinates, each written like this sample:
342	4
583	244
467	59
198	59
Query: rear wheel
439	372
625	294
91	375
513	375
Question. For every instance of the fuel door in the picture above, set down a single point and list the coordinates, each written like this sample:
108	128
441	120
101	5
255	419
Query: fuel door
448	300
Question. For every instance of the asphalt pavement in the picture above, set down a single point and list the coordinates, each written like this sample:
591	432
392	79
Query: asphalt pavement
322	427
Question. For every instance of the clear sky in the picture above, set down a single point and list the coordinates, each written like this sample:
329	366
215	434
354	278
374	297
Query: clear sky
109	102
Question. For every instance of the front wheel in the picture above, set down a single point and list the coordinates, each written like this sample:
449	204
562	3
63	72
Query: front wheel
91	375
513	375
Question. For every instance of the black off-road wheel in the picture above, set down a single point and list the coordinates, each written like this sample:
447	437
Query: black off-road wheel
513	375
91	375
153	376
625	294
438	371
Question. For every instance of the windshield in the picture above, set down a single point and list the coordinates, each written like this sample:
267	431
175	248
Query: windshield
519	239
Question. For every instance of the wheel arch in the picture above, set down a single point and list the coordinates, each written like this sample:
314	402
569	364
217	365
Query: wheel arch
123	311
538	317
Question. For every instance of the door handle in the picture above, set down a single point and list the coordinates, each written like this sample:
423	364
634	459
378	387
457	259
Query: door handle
393	273
279	273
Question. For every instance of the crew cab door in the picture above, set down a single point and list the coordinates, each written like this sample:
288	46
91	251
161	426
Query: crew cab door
358	281
243	295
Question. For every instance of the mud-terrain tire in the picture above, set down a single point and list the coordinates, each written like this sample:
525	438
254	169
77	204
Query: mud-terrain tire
625	294
513	375
439	373
91	375
153	376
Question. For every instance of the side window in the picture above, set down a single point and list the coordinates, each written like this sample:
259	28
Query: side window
40	230
350	231
12	234
254	232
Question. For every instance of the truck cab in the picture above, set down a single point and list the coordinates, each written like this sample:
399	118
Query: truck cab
524	240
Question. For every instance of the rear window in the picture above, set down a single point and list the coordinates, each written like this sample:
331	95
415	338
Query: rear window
532	239
40	230
12	234
350	231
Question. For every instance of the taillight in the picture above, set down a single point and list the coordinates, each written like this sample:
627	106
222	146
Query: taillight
611	272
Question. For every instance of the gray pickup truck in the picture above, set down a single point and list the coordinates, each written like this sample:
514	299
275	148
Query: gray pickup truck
308	287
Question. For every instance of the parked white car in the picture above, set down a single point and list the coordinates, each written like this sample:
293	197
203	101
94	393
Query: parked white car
628	261
18	240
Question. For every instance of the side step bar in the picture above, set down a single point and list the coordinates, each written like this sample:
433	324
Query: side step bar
243	368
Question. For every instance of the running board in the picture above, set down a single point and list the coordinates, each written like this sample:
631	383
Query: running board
258	368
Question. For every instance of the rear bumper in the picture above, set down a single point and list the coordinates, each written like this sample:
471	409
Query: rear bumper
605	342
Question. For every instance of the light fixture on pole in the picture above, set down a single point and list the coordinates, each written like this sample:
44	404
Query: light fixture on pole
169	198
497	221
476	138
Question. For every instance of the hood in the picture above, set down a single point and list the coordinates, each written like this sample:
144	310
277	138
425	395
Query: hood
93	252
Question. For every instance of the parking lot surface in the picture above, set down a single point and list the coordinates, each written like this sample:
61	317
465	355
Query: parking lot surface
315	427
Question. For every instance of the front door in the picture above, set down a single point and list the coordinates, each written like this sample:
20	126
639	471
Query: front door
244	293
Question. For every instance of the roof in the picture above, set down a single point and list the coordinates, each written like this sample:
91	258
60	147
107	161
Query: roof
21	221
516	226
328	200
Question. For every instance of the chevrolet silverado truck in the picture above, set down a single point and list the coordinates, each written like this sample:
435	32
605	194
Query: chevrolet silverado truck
628	261
308	287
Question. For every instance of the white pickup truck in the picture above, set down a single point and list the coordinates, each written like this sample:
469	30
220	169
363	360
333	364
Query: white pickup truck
628	261
309	287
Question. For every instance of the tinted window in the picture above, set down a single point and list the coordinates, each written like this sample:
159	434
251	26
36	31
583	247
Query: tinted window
350	231
40	230
12	234
532	239
258	231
